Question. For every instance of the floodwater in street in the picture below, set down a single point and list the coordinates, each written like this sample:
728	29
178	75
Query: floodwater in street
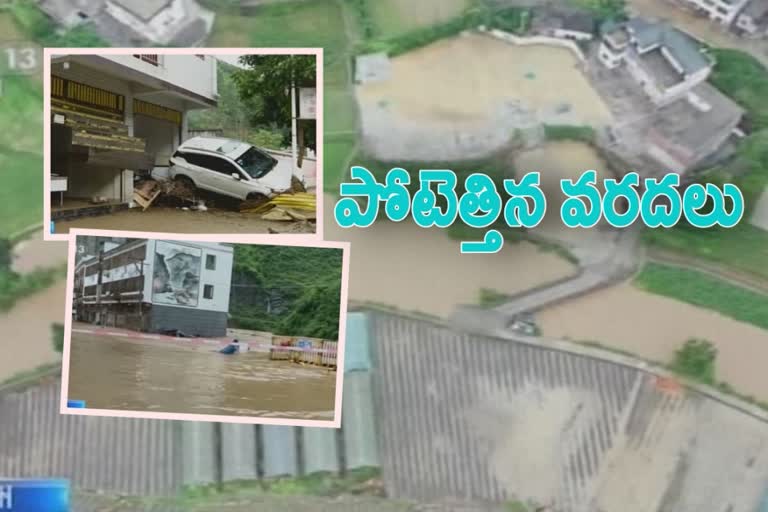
26	339
654	327
176	220
126	374
416	269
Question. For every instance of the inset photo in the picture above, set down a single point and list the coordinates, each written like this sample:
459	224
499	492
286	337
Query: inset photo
205	329
183	140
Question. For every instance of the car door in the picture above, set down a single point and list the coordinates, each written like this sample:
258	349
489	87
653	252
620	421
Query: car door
226	183
198	167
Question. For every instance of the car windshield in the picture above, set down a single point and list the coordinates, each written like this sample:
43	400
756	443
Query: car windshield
256	163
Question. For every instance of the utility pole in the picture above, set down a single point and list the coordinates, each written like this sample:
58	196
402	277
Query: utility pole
294	130
98	283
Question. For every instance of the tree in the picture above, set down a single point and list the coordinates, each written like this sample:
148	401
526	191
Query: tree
270	78
696	359
6	254
606	9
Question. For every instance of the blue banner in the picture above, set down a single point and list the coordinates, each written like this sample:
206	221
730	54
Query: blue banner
34	496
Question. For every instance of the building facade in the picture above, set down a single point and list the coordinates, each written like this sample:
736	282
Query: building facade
720	11
114	115
156	286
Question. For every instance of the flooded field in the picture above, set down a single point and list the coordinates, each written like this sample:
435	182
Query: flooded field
127	374
396	16
556	161
25	339
425	84
653	327
35	253
419	269
174	220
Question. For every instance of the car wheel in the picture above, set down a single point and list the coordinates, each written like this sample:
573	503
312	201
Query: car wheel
253	201
184	187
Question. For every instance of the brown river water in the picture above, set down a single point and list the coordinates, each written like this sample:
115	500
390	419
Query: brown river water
125	374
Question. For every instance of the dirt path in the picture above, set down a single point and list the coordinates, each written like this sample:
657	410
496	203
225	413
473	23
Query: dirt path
653	327
26	342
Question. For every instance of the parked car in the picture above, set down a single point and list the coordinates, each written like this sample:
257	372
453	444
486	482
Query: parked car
230	167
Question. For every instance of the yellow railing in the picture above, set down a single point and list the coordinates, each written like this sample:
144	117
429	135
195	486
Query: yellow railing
87	95
156	111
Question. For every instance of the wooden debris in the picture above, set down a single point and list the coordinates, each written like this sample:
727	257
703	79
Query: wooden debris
277	214
299	201
146	193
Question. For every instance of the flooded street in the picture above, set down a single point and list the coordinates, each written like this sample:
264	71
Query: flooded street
556	161
174	220
25	339
122	373
654	327
423	270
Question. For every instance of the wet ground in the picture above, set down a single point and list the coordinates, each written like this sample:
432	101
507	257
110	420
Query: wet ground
175	220
157	376
35	253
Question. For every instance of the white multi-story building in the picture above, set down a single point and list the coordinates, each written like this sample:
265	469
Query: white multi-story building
664	61
180	23
157	286
753	20
113	115
721	11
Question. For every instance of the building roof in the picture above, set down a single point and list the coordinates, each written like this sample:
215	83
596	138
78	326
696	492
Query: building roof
683	48
192	34
682	124
144	9
756	9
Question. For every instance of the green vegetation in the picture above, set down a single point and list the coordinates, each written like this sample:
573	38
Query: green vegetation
743	78
15	286
708	292
743	247
22	190
569	132
364	17
38	27
21	118
320	23
30	377
491	298
392	17
57	337
605	9
355	481
513	19
291	291
696	360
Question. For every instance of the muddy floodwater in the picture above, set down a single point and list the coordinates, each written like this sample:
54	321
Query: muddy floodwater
176	220
126	374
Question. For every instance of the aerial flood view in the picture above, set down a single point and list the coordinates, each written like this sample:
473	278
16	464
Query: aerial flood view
574	370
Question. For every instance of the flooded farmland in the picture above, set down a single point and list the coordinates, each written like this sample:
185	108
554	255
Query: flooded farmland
126	374
653	327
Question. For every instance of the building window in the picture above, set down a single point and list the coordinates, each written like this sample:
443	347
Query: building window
210	262
208	291
153	59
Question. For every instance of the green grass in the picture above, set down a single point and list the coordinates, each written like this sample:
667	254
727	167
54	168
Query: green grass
568	132
743	247
337	153
489	298
21	117
395	17
745	79
701	290
21	196
30	376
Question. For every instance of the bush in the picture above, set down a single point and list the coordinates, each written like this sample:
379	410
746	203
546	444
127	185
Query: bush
491	298
568	132
57	335
513	19
15	286
263	138
696	360
364	18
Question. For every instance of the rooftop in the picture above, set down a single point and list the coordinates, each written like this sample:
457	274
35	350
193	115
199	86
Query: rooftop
659	67
683	48
144	9
683	124
756	9
374	67
579	22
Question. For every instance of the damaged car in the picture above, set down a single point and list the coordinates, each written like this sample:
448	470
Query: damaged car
230	167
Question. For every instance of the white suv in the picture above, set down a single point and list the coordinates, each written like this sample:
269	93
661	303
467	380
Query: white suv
230	167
